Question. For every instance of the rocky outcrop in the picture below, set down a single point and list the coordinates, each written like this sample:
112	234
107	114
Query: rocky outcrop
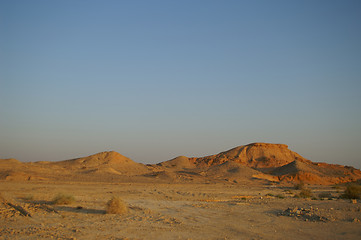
261	156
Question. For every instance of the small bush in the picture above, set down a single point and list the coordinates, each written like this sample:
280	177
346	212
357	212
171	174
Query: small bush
116	206
352	191
305	193
63	199
270	194
299	186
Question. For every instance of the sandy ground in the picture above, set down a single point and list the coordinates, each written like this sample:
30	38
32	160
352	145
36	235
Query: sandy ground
176	211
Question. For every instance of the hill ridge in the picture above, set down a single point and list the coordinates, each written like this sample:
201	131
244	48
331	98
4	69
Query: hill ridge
259	160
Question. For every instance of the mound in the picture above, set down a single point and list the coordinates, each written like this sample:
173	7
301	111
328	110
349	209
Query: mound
295	167
9	161
178	163
231	170
19	176
262	156
111	162
316	173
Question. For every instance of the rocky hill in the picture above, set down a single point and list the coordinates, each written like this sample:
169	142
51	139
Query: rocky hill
253	162
261	156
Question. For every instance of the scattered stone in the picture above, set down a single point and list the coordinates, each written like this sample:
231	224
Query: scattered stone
306	214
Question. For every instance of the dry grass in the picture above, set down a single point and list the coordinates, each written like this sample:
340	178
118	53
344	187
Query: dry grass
116	206
353	191
299	186
63	199
305	193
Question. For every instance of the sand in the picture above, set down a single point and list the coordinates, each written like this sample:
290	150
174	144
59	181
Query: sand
176	211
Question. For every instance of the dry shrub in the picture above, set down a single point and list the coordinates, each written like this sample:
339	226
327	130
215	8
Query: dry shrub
305	193
299	186
353	191
63	199
116	206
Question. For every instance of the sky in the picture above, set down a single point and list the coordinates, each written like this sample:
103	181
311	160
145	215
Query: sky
153	80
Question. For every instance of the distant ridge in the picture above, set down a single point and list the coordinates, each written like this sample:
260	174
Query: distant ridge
265	162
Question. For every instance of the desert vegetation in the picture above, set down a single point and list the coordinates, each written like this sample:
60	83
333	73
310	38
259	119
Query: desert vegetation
353	191
116	206
63	199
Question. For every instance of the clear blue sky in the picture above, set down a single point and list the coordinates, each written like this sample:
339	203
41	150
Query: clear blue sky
156	79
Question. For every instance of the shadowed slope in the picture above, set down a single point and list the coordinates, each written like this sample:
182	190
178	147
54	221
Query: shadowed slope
316	173
178	163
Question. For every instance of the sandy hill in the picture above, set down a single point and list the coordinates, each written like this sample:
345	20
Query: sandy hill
104	162
104	166
232	171
266	161
178	163
316	173
9	161
12	169
261	156
274	162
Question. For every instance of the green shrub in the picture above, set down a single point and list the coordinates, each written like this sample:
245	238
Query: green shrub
116	206
353	191
63	199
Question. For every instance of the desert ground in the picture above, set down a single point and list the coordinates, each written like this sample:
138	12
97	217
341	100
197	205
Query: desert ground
176	211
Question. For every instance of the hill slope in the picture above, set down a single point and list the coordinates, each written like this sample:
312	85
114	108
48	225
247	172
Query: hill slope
263	161
261	156
107	162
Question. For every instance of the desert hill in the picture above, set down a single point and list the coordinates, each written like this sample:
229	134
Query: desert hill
256	161
261	156
178	163
320	173
107	162
273	162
